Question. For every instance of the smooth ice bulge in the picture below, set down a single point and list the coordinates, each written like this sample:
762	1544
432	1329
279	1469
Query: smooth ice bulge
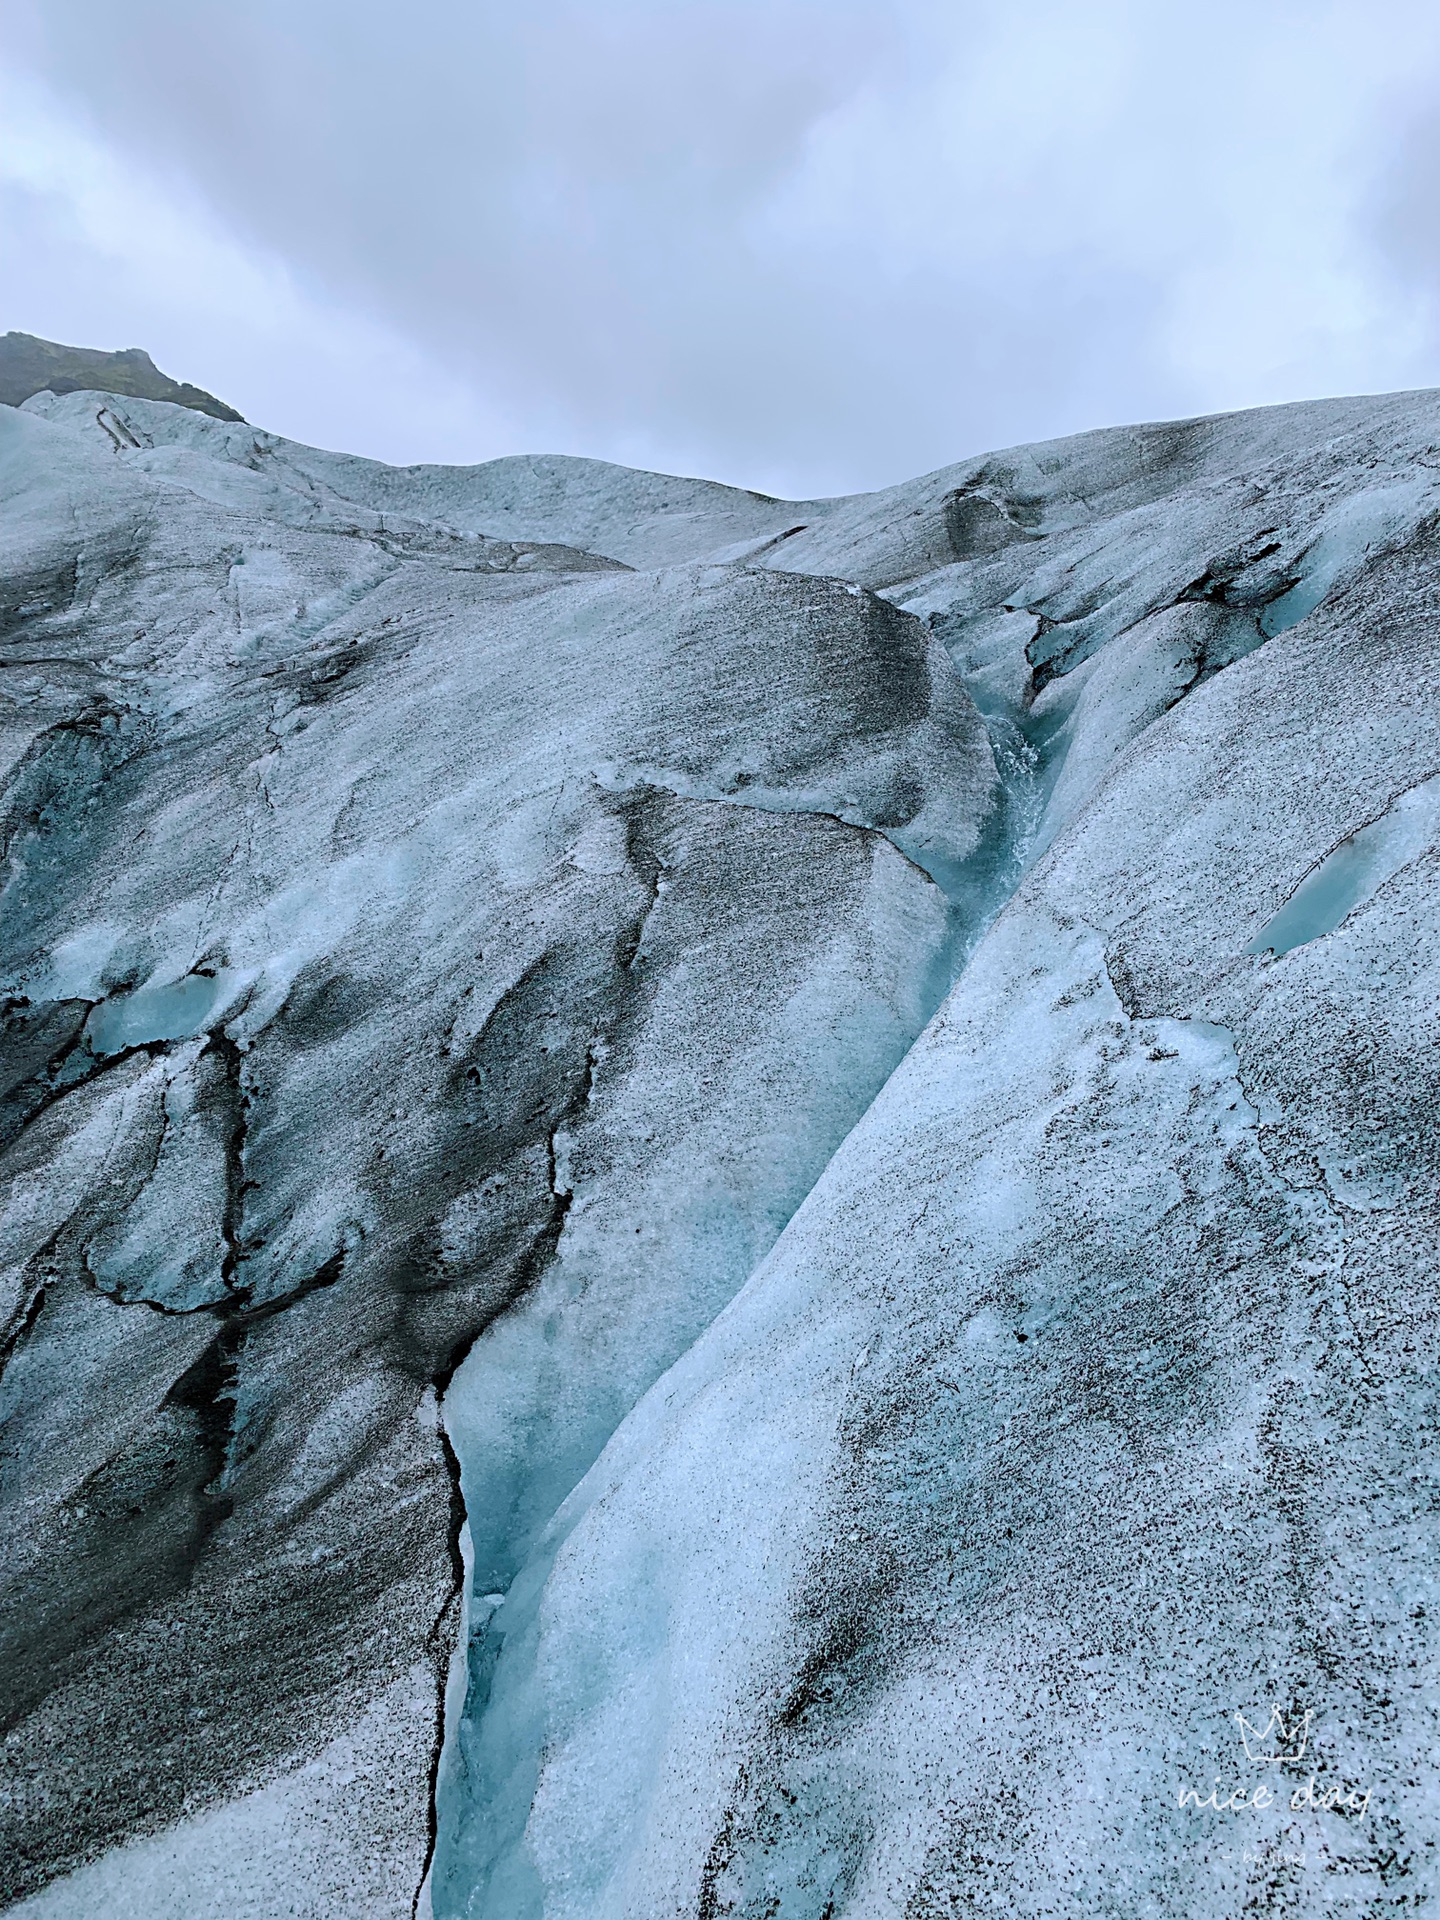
151	1014
1355	871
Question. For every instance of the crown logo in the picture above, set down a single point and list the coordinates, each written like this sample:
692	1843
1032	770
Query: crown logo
1277	1739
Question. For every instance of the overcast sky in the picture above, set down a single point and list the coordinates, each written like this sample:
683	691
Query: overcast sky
805	245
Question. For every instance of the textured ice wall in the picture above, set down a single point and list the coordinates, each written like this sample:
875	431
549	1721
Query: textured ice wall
410	903
399	925
1086	1401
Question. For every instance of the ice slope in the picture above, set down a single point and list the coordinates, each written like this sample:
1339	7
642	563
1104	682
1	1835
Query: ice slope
1082	1403
399	933
1087	1401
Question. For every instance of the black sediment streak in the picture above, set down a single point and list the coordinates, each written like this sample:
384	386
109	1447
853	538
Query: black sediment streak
440	1654
206	1390
235	1183
650	869
22	1325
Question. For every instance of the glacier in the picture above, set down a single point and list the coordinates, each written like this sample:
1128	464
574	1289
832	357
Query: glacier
718	1206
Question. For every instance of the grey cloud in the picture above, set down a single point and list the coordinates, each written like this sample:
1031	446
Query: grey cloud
630	224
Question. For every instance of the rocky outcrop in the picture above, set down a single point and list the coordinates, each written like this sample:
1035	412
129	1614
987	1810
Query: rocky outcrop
518	1379
29	366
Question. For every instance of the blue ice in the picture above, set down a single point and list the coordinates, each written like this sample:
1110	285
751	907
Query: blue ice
1355	870
172	1012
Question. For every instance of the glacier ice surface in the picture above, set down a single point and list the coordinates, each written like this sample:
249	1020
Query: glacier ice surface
483	1004
1353	872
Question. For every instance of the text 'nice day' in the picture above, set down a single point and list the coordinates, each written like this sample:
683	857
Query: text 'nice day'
1306	1799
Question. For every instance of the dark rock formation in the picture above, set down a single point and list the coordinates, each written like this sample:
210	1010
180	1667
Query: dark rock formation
29	366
